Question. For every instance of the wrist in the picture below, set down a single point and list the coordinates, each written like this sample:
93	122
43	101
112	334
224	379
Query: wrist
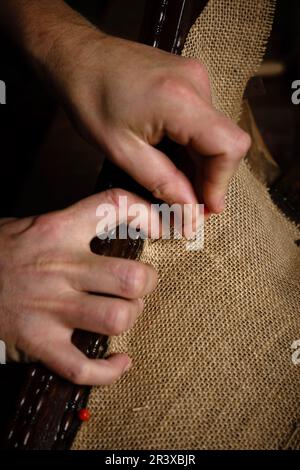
52	55
57	39
49	32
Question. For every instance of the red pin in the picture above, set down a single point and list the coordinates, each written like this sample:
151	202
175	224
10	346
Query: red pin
84	414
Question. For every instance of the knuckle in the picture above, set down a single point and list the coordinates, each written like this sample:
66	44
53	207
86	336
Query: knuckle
77	373
49	226
32	343
31	334
163	188
239	145
244	142
177	87
112	196
196	67
118	319
27	344
133	280
77	312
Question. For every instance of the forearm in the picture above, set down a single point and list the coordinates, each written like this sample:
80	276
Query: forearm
40	26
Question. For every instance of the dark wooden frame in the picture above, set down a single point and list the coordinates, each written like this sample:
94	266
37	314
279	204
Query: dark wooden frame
46	411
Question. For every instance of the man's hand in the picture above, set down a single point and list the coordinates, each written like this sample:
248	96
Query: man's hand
125	97
51	283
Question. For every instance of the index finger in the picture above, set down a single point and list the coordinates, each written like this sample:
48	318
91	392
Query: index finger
220	146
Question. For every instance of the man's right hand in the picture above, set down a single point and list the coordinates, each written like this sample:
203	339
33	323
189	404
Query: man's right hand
125	97
51	283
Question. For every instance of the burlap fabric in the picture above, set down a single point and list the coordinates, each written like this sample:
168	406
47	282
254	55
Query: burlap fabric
212	351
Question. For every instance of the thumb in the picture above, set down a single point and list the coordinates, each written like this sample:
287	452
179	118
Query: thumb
104	211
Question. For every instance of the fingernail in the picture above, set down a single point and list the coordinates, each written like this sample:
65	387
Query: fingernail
189	232
221	204
127	367
197	224
192	220
206	211
141	303
151	282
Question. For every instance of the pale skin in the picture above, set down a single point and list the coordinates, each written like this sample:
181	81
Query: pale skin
123	97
